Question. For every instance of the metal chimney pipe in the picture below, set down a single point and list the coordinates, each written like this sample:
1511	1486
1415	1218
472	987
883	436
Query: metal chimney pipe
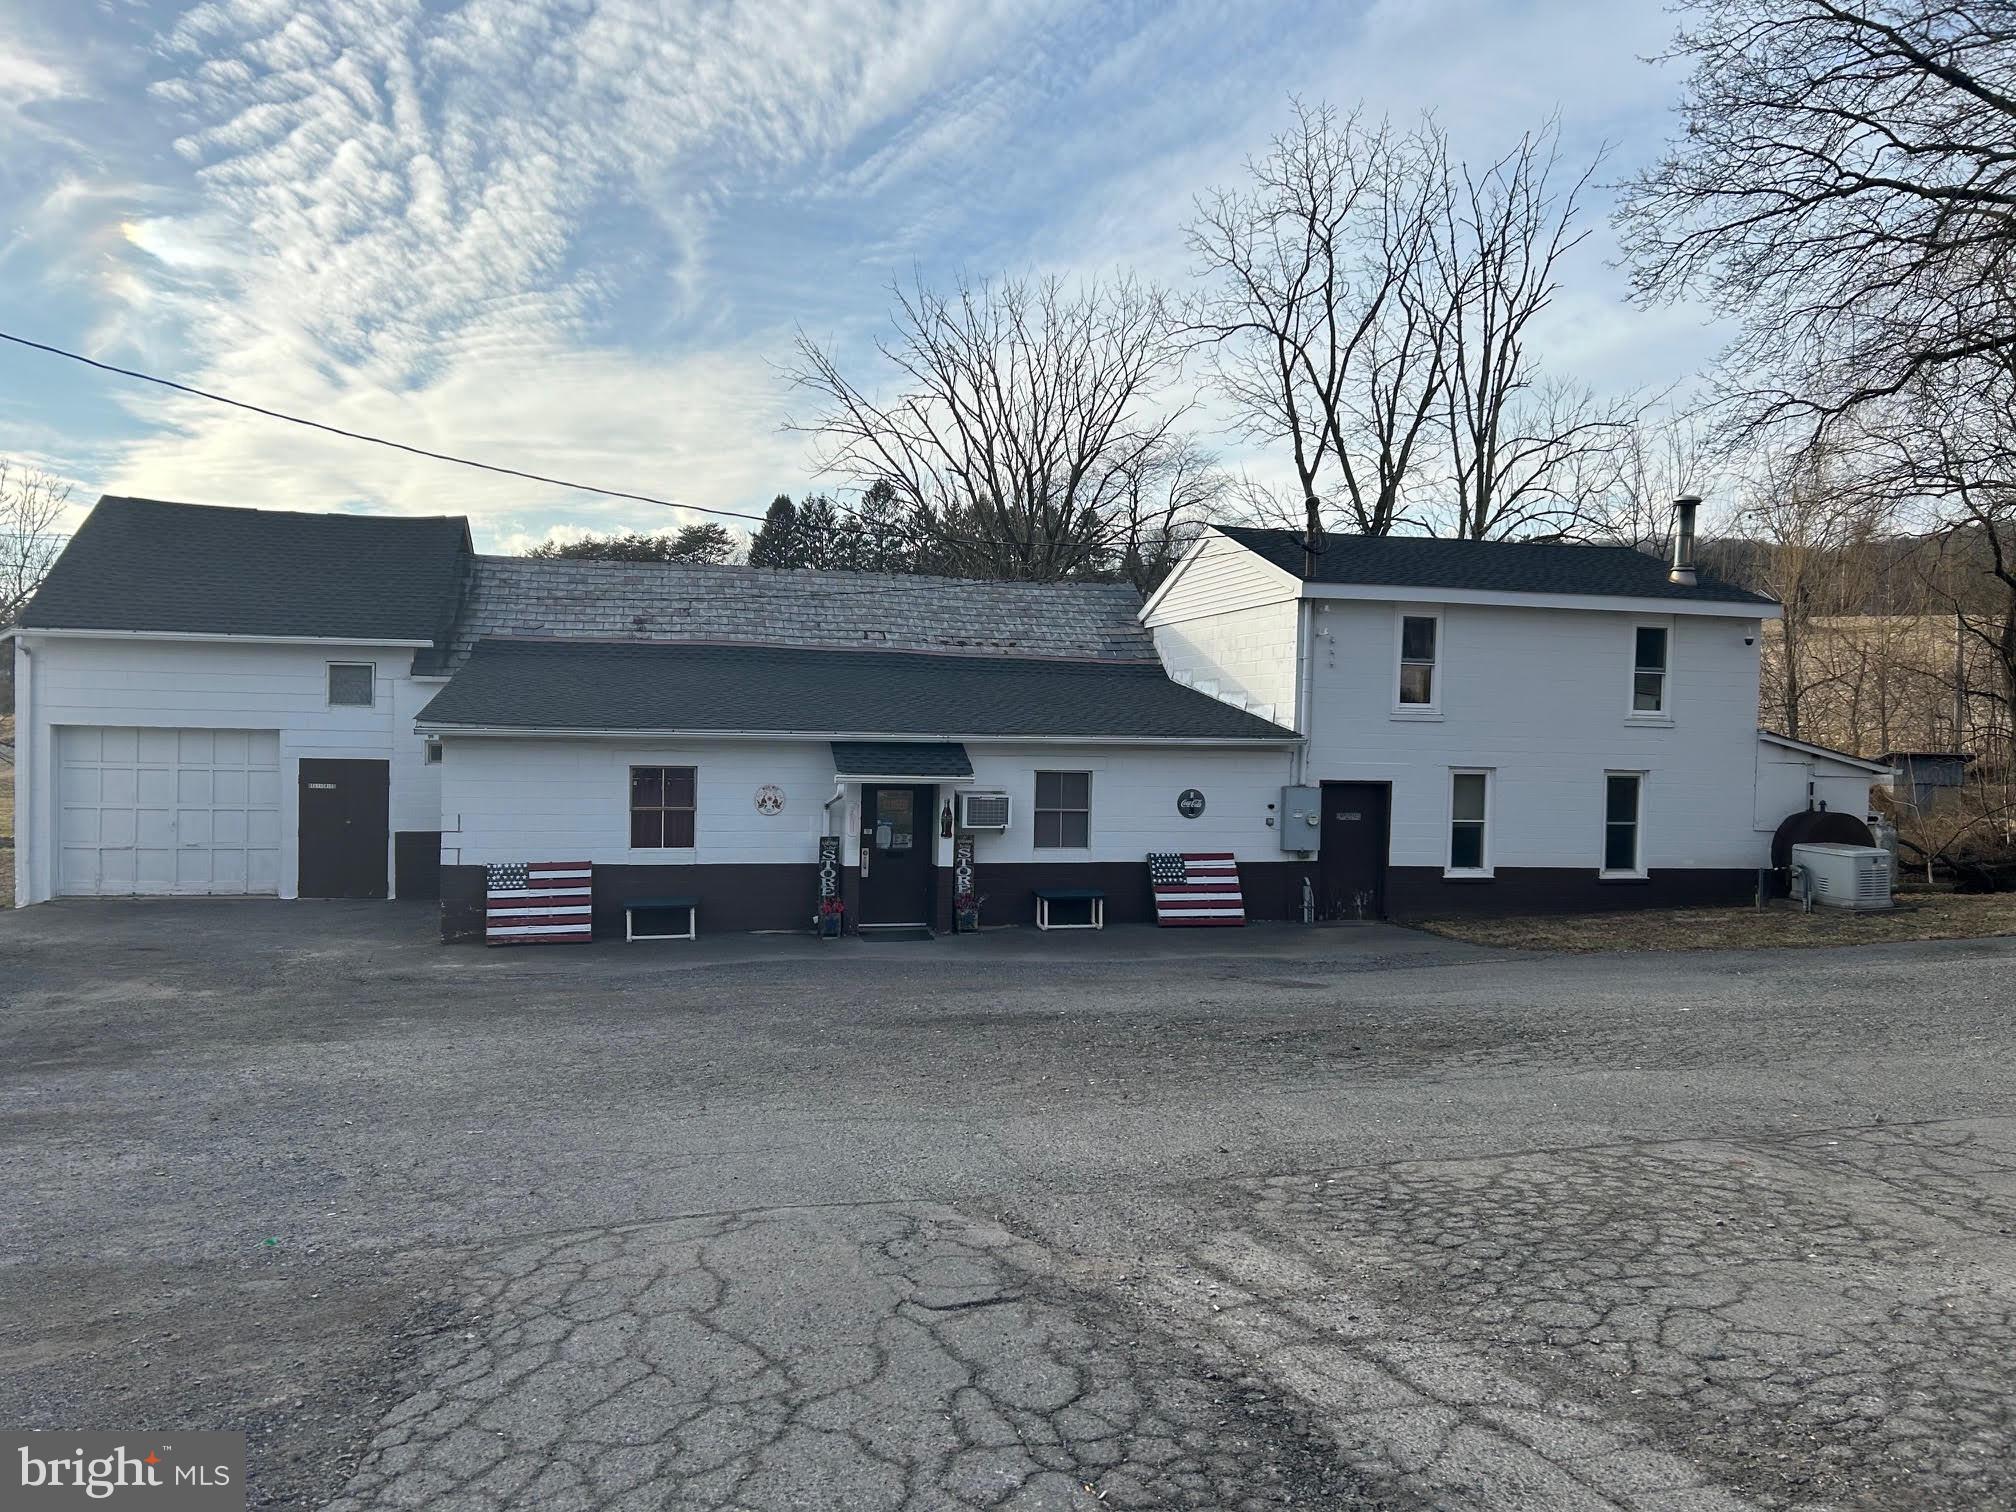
1682	571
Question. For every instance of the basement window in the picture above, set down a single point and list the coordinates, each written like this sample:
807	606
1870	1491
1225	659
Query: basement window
353	685
661	807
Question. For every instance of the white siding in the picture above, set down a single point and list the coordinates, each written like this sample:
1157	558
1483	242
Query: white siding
1783	778
508	799
1228	618
198	685
1540	697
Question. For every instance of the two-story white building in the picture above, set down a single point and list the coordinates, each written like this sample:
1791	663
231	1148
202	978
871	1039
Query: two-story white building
1501	727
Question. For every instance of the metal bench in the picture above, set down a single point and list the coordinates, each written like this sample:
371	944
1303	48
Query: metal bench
634	906
1096	913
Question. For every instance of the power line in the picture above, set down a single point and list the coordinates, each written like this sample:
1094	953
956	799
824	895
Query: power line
503	471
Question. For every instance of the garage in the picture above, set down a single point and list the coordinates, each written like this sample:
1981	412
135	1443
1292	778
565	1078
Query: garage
186	812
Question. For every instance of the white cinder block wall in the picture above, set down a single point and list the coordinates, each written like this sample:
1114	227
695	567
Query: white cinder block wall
513	799
165	684
1542	698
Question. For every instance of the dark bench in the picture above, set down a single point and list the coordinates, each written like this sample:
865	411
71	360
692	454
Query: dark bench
634	906
1095	915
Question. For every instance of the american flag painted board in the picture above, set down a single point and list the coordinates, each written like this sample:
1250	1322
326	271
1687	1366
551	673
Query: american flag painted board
538	903
1196	889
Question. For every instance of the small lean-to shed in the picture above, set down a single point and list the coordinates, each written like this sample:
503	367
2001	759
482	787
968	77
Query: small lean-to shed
1920	776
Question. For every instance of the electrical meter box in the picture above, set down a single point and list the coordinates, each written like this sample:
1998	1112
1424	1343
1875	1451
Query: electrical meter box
1301	819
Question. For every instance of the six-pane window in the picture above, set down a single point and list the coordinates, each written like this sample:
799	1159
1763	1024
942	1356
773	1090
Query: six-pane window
1417	659
1469	800
1620	822
661	807
352	685
1063	810
1648	674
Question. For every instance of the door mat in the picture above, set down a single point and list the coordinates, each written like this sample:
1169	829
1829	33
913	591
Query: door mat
893	932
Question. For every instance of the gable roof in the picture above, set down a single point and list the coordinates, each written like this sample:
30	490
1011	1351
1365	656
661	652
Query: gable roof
691	601
1481	566
583	685
1880	767
195	569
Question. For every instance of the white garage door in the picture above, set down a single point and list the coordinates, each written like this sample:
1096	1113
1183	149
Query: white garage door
167	811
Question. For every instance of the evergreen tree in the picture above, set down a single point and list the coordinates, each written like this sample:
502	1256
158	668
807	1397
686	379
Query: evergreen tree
778	542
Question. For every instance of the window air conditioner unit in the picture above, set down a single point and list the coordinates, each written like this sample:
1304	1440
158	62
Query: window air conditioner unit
983	811
1846	876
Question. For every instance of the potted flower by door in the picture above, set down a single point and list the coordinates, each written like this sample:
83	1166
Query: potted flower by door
966	912
832	916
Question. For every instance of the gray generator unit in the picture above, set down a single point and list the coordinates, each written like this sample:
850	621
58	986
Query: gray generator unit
1845	876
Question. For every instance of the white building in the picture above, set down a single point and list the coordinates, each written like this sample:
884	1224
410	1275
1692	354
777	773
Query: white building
1502	727
223	701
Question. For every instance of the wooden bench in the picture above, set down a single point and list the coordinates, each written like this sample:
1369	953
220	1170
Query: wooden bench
634	906
1096	913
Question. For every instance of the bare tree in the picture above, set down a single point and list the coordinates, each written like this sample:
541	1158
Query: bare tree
1322	328
1024	415
1628	494
32	503
1170	492
1845	184
1523	450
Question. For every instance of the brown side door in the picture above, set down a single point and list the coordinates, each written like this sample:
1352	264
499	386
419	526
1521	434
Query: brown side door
1352	861
345	828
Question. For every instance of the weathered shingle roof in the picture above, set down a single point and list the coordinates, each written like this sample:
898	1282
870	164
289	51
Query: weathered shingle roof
194	569
823	691
673	601
1487	566
901	758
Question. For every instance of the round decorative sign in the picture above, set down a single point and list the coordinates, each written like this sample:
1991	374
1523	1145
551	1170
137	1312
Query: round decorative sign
769	799
1189	803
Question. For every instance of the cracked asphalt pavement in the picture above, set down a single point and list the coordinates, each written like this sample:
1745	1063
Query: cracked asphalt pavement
1323	1219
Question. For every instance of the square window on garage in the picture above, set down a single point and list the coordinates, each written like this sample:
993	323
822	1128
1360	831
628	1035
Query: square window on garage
661	807
352	685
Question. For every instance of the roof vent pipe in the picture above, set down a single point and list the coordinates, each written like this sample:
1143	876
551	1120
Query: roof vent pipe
1682	571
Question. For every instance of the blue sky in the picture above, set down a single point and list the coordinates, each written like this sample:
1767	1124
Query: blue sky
575	236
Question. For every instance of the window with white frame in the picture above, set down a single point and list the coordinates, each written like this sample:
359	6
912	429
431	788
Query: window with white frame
1063	810
353	685
1418	682
1469	824
1623	815
1652	647
433	753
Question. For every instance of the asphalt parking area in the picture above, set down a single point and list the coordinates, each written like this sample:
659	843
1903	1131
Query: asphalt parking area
1296	1218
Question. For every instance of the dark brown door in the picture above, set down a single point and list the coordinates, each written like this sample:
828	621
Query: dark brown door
345	825
1352	861
899	826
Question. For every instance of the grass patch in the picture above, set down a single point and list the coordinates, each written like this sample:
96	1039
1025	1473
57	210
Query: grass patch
1917	916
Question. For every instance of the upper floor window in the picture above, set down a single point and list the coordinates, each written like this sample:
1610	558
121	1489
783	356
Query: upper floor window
1420	651
352	685
1063	810
1651	647
661	807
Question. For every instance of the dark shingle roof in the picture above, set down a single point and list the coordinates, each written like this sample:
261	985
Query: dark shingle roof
1485	566
901	758
141	564
601	685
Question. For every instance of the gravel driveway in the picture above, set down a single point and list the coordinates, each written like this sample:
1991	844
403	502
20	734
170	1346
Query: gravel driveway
1329	1219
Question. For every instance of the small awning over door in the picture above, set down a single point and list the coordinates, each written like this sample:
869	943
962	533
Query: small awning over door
900	760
